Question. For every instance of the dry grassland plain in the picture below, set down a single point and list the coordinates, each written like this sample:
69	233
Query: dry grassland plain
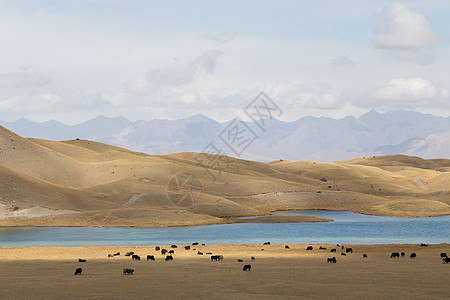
277	272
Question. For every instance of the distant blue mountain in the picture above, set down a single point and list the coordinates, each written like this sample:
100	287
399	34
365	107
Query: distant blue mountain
98	128
309	138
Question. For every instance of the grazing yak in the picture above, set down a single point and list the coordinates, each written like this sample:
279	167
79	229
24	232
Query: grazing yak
348	250
266	243
115	254
163	251
247	268
135	257
395	254
343	254
150	257
286	247
252	258
331	260
173	246
78	271
81	260
129	253
157	248
128	271
187	247
402	254
171	252
333	250
412	255
195	244
364	255
169	257
240	260
445	260
423	245
110	255
443	254
216	257
309	248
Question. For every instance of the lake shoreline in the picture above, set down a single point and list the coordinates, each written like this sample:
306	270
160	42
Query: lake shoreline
347	227
272	217
276	216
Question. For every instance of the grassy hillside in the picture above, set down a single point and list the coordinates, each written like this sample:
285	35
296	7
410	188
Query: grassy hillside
80	182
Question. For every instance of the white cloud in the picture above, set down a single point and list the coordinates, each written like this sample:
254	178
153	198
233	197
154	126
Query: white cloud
342	61
156	79
17	80
217	37
148	63
327	101
408	90
22	105
402	93
404	32
206	62
50	98
418	56
403	28
305	95
9	104
52	102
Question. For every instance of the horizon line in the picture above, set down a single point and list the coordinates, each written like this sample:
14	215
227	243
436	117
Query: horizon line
220	122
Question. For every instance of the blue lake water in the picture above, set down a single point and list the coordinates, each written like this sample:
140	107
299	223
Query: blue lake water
349	228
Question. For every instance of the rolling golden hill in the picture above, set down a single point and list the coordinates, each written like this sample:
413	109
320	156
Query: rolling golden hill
85	183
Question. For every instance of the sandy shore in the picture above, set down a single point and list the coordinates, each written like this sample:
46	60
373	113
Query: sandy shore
277	272
156	219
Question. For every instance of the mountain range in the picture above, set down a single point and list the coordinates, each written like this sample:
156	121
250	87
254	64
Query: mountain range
320	139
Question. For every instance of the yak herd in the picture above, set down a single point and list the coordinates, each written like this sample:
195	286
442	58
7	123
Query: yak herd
169	255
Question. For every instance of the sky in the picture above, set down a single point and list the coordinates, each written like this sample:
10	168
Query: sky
72	60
